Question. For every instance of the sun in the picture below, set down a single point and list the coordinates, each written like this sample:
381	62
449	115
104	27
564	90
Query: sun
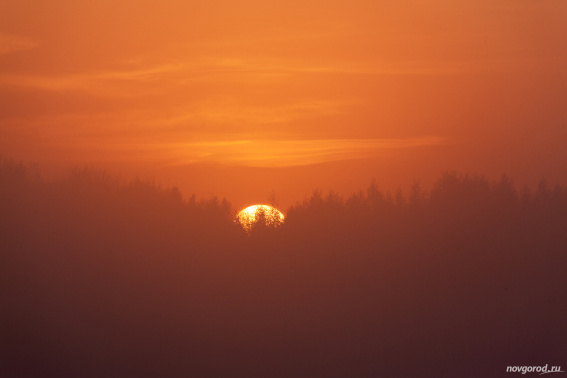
249	216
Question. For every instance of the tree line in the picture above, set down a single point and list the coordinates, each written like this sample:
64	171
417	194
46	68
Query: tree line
103	277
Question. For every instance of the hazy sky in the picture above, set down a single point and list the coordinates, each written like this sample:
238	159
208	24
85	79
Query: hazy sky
239	98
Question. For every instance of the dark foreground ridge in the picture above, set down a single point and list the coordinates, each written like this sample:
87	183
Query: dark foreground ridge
101	279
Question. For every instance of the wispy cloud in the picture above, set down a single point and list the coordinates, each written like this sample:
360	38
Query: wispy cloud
114	82
11	43
273	153
163	78
227	111
266	153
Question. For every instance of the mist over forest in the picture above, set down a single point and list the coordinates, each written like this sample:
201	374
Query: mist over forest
103	278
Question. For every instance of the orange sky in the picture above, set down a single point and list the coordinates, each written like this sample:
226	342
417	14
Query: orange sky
242	98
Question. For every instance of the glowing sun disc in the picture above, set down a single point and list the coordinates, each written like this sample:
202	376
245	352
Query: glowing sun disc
247	217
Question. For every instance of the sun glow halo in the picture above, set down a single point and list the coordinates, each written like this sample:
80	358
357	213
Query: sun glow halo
247	217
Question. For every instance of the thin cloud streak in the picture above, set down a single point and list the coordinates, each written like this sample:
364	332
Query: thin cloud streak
149	79
91	81
225	111
264	153
12	43
285	153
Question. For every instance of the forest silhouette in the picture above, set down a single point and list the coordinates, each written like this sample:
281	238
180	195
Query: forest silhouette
129	279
